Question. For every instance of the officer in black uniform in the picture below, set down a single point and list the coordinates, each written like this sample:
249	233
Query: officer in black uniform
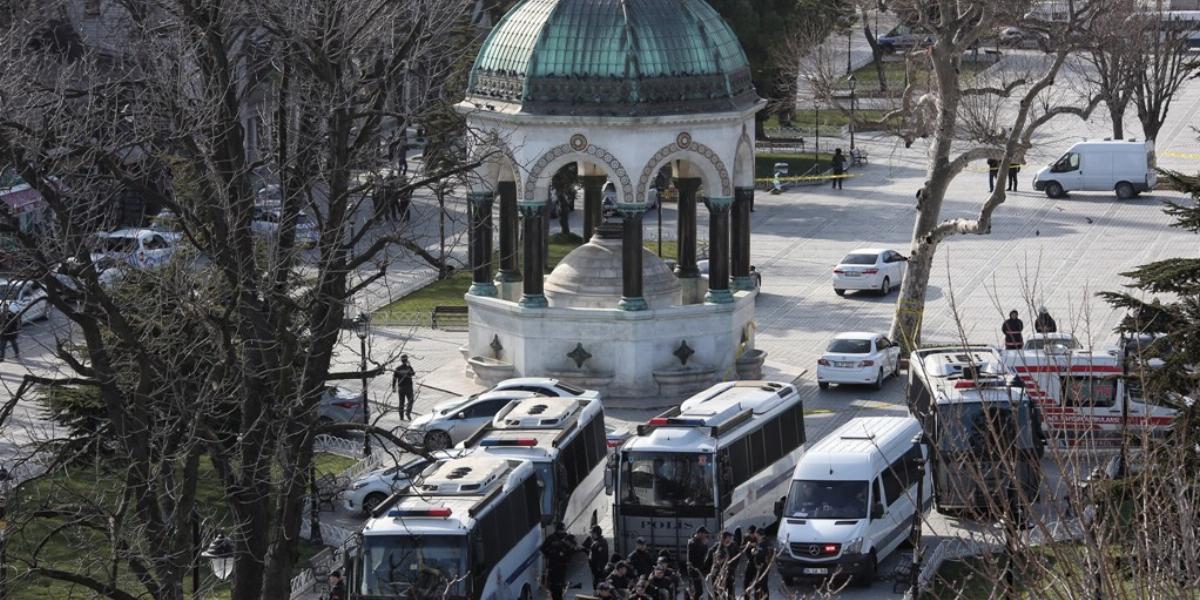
641	559
558	550
697	553
596	548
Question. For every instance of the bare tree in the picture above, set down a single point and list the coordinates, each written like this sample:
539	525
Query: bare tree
1114	57
1164	61
221	357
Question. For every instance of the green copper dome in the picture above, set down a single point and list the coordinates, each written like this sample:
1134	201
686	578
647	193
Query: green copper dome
613	57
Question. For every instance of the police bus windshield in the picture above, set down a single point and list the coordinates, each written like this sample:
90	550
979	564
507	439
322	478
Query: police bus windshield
417	566
984	430
667	479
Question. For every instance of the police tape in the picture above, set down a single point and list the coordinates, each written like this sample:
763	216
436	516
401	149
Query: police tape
1187	155
804	178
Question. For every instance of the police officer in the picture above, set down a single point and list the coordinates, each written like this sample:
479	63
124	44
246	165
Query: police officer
759	555
558	550
659	585
641	559
697	553
622	577
596	548
750	576
402	382
721	563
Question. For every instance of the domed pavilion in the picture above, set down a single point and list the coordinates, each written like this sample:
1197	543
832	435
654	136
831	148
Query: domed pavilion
621	89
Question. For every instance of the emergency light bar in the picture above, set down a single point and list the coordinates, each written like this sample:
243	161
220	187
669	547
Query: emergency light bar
443	512
522	442
675	421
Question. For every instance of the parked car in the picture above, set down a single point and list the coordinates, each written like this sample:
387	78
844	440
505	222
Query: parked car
341	405
266	220
869	269
366	492
858	357
131	248
456	420
1120	166
904	37
546	386
25	298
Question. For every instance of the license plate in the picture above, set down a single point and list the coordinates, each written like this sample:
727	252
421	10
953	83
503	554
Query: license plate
843	364
816	571
852	274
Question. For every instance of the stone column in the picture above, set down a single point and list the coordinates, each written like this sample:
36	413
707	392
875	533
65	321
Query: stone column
545	262
631	257
509	228
593	195
533	296
686	267
480	204
718	250
743	201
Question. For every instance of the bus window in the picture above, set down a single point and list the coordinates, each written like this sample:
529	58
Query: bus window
1090	392
983	431
827	500
412	565
663	479
545	477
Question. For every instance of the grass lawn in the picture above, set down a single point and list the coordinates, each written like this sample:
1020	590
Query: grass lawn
68	549
832	122
867	78
414	309
798	164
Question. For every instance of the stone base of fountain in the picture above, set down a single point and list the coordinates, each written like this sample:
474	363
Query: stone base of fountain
750	364
677	383
584	378
490	371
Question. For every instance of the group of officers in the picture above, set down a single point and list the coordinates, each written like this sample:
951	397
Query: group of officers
708	569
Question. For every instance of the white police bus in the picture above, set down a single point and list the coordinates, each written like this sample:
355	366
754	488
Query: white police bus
565	440
469	528
722	460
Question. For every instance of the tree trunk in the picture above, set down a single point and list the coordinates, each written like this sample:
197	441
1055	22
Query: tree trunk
876	51
441	264
1116	112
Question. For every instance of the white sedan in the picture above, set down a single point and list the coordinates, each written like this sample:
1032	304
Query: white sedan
455	420
858	357
875	269
366	492
25	298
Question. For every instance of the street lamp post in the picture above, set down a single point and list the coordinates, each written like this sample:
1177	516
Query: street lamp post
5	478
853	84
849	33
362	327
220	556
816	129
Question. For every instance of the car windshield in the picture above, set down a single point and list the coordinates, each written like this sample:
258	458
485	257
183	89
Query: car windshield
417	566
667	479
122	245
850	346
827	499
570	389
860	259
984	430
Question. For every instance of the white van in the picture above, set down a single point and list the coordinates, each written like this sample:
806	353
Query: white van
1126	167
852	500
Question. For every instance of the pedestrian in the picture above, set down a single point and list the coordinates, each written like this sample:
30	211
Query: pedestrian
756	275
1044	323
596	548
750	575
697	552
10	329
402	382
1013	169
1012	328
558	550
721	564
993	170
337	587
641	559
622	577
839	168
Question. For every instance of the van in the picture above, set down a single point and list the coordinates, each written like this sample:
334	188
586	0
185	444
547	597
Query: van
853	498
1125	167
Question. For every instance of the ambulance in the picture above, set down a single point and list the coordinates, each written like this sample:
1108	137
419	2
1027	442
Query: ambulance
1080	394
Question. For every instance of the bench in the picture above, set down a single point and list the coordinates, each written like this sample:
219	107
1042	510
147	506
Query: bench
858	157
329	489
448	315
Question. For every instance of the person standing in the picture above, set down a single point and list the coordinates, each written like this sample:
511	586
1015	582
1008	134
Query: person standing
697	552
596	548
1044	323
721	563
402	382
1012	328
756	276
1013	170
641	559
558	550
761	556
10	329
750	575
839	168
993	170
